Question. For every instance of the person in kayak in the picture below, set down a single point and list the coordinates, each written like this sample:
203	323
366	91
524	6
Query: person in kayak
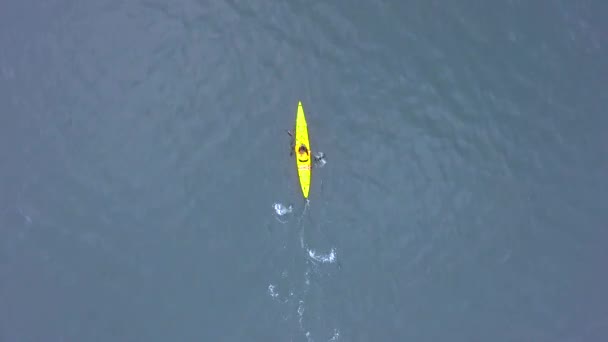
303	152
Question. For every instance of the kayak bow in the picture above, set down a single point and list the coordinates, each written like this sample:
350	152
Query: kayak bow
303	160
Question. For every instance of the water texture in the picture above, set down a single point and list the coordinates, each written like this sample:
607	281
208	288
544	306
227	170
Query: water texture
143	148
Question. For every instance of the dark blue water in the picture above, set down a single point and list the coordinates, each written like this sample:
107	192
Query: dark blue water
143	145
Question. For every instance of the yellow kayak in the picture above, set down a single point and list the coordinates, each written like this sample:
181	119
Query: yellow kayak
302	150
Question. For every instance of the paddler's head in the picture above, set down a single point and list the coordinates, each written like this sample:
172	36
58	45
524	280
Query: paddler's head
303	150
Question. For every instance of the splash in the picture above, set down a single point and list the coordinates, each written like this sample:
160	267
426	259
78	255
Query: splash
272	292
282	209
320	159
336	336
329	258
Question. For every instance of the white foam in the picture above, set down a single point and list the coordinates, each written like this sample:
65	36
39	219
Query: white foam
281	209
336	336
320	159
323	258
272	292
301	314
